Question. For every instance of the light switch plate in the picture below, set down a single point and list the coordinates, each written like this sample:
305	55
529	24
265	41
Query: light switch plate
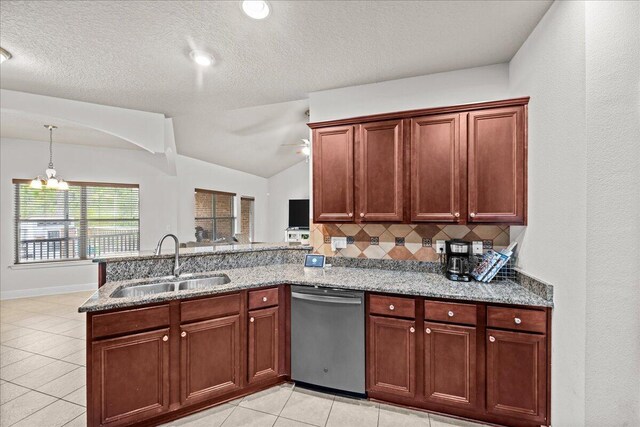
477	247
440	246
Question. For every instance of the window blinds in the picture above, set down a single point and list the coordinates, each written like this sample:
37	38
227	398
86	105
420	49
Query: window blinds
88	220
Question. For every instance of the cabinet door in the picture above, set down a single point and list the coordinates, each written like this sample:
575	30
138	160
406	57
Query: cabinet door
209	358
497	166
391	356
130	378
516	374
380	170
450	364
263	344
333	174
438	168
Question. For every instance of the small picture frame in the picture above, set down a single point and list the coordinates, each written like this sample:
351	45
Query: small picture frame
314	261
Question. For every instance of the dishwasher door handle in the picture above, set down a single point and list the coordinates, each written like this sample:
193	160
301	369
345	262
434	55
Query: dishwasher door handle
326	298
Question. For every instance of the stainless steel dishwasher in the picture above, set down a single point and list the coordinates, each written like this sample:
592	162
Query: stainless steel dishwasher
327	338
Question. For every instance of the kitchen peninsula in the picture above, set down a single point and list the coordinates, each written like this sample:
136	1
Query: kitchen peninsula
465	349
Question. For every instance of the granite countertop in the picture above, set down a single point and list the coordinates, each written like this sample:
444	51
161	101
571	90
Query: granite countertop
168	251
375	280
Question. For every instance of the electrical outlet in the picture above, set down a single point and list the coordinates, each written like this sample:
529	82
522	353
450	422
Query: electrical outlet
477	247
440	246
338	243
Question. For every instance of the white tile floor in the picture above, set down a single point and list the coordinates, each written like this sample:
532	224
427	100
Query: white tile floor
42	381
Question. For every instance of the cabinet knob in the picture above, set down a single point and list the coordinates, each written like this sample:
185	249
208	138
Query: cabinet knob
165	338
350	214
457	214
492	339
428	330
252	320
472	215
361	214
183	334
412	329
264	299
517	320
450	313
391	307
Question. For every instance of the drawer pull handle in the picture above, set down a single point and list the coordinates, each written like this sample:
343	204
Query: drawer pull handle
450	313
252	320
391	307
412	329
361	214
517	320
264	299
165	338
457	214
350	214
183	334
492	339
472	215
428	330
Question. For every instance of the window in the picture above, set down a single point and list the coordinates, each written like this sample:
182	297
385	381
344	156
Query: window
88	220
246	219
214	218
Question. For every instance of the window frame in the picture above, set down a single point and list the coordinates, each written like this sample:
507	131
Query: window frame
83	221
214	219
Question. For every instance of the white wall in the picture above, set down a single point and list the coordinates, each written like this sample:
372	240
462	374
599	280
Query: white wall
166	203
613	206
550	67
291	183
193	173
433	90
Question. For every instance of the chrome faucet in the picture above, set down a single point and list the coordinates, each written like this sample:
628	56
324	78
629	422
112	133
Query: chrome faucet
176	265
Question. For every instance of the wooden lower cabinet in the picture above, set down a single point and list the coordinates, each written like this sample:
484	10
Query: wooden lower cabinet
391	356
450	364
130	378
210	358
264	339
517	375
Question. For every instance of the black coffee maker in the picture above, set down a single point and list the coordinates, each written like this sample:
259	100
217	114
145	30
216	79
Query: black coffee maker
458	267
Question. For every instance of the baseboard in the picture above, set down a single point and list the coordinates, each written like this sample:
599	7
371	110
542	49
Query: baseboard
50	290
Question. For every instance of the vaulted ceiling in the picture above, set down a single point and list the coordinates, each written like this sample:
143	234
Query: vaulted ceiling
238	113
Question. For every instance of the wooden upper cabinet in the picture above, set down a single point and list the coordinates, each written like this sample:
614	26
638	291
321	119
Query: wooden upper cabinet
210	358
333	174
497	166
450	364
379	164
438	168
391	356
516	375
130	377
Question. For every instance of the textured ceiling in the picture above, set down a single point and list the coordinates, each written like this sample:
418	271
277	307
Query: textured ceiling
134	54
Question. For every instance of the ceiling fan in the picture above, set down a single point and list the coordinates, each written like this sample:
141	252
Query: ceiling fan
305	147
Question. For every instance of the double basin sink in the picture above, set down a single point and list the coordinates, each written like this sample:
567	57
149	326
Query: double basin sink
175	286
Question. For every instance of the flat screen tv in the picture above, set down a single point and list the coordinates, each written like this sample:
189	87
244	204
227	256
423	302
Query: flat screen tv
299	213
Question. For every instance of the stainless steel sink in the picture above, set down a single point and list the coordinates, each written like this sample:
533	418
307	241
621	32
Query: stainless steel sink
203	283
142	290
158	288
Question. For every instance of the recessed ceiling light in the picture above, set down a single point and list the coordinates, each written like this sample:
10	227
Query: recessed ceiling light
256	9
4	55
202	58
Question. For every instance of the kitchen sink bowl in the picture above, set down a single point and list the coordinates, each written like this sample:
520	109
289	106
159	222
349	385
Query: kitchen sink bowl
177	286
203	283
142	290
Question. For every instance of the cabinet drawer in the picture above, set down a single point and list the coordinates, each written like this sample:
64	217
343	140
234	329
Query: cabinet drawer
392	306
450	312
517	319
263	298
127	321
208	308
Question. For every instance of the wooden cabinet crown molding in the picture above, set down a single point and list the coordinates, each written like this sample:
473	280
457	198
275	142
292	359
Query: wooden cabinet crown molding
421	112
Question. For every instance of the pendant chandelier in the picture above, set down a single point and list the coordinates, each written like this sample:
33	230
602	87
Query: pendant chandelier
51	182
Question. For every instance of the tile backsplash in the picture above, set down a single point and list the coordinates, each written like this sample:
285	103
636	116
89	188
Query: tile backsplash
402	241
